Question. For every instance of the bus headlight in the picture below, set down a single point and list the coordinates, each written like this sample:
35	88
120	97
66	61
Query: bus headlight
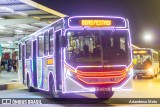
130	70
150	70
69	73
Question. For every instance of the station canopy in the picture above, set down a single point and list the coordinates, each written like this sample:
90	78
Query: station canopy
20	18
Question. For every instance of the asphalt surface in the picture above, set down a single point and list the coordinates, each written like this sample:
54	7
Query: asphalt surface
142	88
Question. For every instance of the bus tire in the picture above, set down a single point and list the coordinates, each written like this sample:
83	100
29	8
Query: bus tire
156	75
30	89
152	76
104	95
52	92
134	77
139	77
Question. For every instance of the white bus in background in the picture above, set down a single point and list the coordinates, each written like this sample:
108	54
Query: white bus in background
145	62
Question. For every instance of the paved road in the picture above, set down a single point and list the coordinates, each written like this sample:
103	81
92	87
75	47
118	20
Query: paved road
8	77
142	88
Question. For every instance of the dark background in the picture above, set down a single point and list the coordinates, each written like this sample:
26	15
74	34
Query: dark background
143	15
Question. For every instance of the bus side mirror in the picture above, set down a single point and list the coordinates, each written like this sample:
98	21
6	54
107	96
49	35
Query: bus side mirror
63	41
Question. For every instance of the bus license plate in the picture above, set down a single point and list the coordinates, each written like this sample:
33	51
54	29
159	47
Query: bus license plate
100	80
97	80
103	89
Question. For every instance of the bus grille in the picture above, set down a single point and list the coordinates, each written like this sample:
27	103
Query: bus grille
101	75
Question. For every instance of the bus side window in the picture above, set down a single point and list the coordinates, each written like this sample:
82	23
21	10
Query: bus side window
46	43
40	45
51	42
20	56
155	57
28	49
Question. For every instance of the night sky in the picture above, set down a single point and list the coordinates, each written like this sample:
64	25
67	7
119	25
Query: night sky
143	15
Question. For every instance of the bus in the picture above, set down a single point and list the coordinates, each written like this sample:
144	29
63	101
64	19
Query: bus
145	63
79	54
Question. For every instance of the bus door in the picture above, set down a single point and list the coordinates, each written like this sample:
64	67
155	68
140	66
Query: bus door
34	61
40	61
58	59
23	63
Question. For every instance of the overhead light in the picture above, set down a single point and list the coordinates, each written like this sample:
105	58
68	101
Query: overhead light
5	45
19	31
50	22
2	27
36	17
21	13
1	18
16	41
12	11
7	9
10	42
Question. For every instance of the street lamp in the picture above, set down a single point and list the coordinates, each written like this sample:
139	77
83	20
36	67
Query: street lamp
148	37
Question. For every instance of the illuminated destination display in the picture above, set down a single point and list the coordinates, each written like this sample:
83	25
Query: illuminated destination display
140	52
116	22
94	23
49	61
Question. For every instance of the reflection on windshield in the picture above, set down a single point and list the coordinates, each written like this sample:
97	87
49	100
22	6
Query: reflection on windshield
142	61
97	47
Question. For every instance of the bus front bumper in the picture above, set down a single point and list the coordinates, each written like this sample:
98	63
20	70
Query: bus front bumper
147	72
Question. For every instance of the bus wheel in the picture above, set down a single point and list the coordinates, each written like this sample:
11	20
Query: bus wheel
104	95
139	77
152	76
52	90
156	75
134	77
30	89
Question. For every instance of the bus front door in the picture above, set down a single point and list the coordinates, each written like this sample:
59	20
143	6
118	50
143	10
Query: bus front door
58	59
34	72
23	63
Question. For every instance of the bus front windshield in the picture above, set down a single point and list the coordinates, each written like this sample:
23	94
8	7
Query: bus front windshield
142	61
91	47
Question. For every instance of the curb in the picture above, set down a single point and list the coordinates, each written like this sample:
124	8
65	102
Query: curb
11	86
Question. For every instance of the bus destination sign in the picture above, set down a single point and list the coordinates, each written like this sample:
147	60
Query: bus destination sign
96	23
115	22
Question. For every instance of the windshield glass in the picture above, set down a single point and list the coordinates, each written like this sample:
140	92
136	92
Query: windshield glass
103	47
142	61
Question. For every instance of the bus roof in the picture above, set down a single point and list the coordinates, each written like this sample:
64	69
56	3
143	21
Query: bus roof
75	17
39	31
